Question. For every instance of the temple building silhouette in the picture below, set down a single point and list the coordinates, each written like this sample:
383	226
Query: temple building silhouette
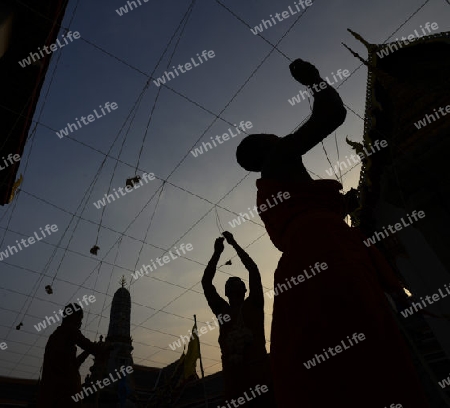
21	32
146	386
405	90
120	342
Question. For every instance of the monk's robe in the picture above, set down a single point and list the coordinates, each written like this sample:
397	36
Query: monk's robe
319	312
60	376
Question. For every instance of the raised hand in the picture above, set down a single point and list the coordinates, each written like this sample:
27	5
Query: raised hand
304	72
229	237
218	245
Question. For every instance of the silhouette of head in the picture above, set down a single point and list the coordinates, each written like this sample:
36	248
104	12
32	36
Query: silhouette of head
235	289
73	315
254	150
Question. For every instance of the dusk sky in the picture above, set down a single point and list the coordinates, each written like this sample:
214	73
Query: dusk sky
153	129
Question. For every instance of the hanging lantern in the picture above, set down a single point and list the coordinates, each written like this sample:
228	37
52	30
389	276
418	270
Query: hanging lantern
132	181
49	289
94	250
19	326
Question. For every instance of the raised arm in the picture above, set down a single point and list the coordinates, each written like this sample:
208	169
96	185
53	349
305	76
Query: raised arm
215	302
85	344
256	290
81	358
327	115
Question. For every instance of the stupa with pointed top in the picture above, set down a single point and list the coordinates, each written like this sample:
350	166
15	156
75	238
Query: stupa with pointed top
119	330
120	341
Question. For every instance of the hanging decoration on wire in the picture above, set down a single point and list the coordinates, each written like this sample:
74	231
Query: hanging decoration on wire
178	32
49	289
226	263
19	326
94	250
131	181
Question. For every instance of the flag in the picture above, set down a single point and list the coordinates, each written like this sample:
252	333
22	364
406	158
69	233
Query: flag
182	371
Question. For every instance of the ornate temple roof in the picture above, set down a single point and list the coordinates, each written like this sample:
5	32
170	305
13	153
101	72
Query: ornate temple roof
385	69
404	83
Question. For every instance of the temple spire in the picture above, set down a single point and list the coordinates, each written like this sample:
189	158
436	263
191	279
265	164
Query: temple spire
119	344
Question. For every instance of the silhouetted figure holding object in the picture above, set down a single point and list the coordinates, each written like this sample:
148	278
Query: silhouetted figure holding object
242	341
60	377
314	315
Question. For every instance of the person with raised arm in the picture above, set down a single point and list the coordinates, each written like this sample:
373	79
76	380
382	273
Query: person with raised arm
245	362
348	298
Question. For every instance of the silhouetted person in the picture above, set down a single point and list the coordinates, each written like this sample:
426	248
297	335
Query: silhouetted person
60	377
321	308
242	342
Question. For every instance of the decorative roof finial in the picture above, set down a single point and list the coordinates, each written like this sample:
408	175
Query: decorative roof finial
355	54
382	76
362	40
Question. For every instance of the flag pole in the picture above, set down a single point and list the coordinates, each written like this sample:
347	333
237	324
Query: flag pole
201	364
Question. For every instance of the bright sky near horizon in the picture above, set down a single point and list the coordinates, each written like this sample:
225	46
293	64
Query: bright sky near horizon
153	129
